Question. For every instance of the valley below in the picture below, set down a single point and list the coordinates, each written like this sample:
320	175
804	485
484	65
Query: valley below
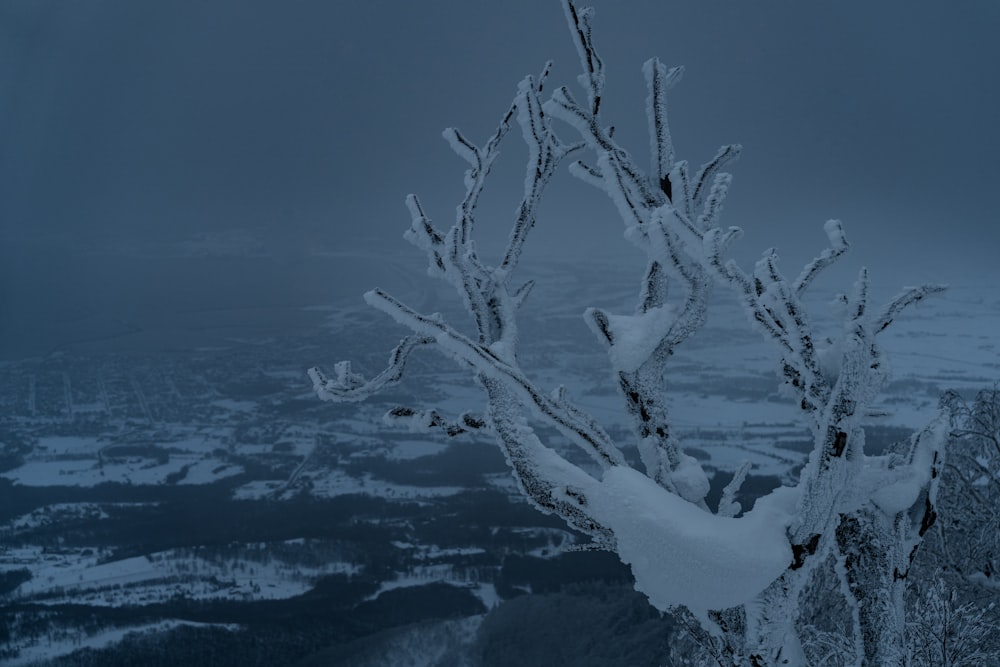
171	490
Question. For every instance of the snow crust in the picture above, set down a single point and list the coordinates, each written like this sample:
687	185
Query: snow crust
683	555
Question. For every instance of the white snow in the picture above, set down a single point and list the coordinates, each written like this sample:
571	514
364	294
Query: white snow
682	555
896	490
636	336
690	479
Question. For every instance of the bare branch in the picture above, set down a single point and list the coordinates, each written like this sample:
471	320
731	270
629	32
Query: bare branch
425	236
587	173
726	155
909	296
728	505
838	246
748	290
658	81
712	209
350	387
623	180
857	302
545	153
654	287
550	482
680	186
592	78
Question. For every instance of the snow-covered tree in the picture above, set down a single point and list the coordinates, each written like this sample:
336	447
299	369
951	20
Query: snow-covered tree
953	602
967	544
944	631
739	575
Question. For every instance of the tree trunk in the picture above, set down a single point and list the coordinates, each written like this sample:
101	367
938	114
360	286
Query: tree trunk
874	565
771	637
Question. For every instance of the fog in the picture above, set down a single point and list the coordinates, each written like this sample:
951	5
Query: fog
163	157
194	195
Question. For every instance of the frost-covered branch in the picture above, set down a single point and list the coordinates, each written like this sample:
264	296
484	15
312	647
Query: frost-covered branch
349	386
838	246
592	77
659	80
908	297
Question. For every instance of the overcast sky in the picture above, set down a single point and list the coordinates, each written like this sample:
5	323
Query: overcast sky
308	121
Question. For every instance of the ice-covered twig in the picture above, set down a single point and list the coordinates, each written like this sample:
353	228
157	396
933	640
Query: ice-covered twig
592	77
773	306
659	80
425	236
351	387
838	246
728	505
545	153
620	176
711	170
909	296
481	160
712	208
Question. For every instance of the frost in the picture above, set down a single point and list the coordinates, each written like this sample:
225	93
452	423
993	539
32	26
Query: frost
682	555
